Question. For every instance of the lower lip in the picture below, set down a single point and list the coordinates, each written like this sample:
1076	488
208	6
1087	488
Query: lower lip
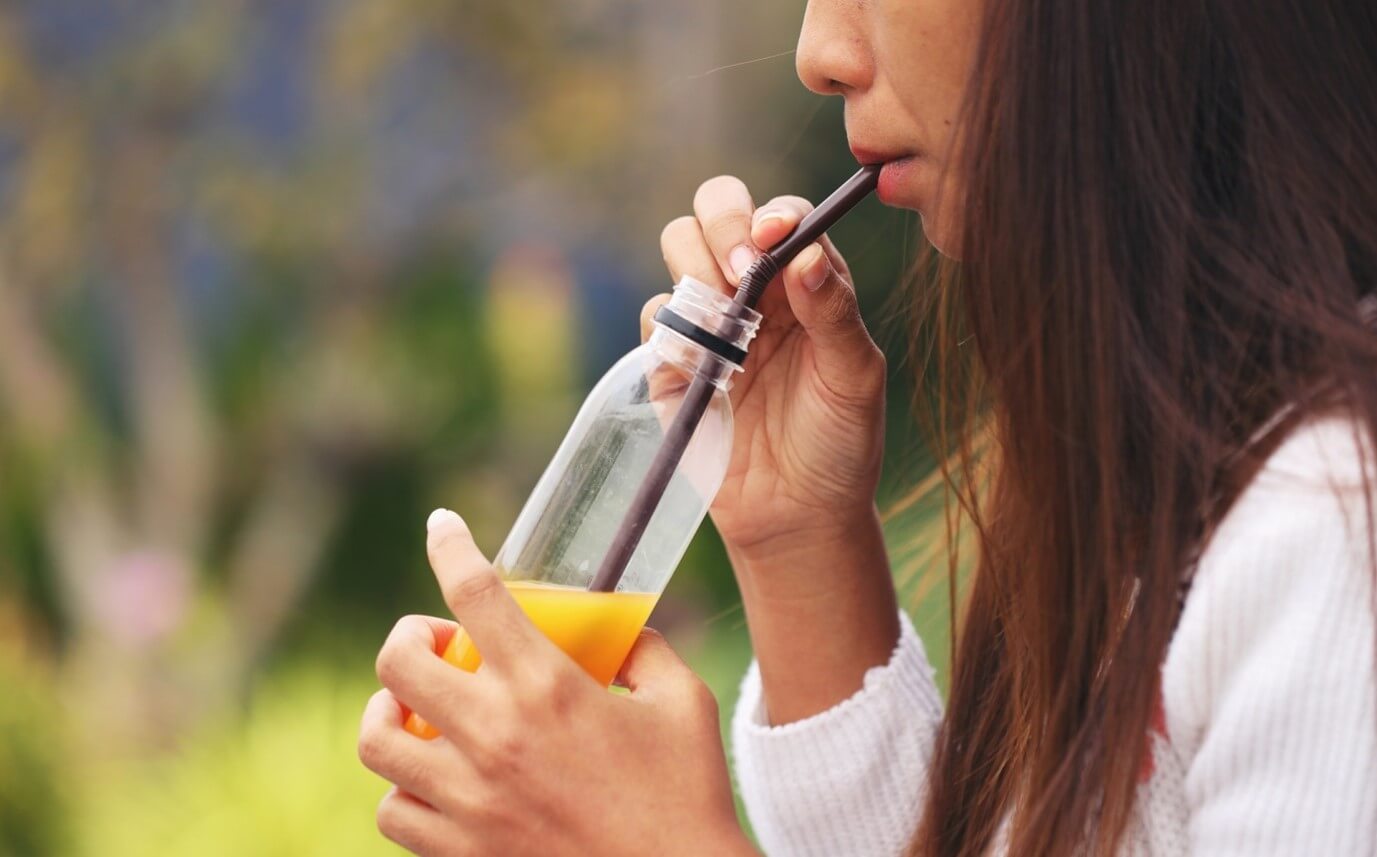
894	175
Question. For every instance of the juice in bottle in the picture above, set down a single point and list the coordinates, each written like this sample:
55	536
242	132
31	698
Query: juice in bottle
596	629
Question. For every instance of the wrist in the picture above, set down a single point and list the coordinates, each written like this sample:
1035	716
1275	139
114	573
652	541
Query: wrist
822	610
805	561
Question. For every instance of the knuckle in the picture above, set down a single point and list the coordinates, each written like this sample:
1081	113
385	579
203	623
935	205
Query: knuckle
699	697
487	809
841	305
372	747
509	748
474	588
727	228
547	691
388	664
707	715
504	751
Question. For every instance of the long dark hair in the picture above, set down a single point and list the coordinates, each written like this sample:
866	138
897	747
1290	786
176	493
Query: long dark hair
1170	217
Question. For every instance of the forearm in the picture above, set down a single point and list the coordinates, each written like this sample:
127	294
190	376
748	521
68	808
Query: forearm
821	610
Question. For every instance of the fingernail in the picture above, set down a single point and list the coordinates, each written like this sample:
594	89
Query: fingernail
740	258
440	516
766	215
814	268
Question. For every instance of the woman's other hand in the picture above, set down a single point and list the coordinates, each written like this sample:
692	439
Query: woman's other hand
533	756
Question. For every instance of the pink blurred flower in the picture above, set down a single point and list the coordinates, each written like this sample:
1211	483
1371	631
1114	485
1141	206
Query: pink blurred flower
142	597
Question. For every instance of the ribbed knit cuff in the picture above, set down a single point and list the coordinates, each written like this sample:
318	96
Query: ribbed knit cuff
846	780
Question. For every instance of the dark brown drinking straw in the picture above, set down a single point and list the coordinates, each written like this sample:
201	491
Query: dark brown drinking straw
699	393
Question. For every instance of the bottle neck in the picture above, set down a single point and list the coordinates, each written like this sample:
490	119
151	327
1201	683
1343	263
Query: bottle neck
703	331
692	358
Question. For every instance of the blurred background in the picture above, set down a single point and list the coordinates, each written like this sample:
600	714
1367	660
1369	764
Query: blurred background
278	277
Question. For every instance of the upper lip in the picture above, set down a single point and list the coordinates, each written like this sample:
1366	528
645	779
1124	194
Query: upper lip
874	156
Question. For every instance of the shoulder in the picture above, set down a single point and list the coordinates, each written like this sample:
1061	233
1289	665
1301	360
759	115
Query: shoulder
1285	586
1309	493
1321	463
1269	685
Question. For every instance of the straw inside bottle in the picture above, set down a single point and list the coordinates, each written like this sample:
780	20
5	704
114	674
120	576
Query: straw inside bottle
699	393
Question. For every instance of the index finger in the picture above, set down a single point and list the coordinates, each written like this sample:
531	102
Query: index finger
475	594
723	207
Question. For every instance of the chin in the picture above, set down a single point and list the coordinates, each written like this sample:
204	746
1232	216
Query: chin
942	238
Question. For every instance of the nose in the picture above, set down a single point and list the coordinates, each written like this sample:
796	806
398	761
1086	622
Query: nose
833	57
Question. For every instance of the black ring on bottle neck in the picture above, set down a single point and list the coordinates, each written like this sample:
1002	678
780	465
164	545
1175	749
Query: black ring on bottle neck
697	335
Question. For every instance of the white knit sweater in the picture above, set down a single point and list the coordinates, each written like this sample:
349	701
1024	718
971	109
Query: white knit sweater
1269	689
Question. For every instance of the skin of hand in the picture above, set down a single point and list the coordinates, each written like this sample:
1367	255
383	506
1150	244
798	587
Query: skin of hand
533	756
809	408
797	507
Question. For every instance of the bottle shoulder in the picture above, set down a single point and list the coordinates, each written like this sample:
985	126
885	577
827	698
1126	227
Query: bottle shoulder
653	372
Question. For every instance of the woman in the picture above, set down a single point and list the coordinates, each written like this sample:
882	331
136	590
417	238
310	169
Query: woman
1157	386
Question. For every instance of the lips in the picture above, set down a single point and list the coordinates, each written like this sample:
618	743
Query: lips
873	156
894	175
895	179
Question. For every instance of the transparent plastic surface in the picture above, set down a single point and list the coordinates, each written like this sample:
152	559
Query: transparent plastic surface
568	523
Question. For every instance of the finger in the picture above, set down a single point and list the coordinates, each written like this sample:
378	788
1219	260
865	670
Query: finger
686	253
648	314
408	665
774	220
388	750
777	218
652	663
824	303
665	379
411	824
723	207
475	594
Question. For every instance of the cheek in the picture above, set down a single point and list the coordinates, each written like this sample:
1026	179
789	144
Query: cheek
924	49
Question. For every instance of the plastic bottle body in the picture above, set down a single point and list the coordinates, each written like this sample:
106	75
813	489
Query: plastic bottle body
569	521
571	518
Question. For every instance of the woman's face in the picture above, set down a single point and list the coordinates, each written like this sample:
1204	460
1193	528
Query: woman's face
901	66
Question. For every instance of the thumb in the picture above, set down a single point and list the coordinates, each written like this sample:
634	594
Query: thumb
824	302
651	664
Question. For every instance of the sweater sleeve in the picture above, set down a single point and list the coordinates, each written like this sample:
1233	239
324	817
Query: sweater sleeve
850	779
1269	683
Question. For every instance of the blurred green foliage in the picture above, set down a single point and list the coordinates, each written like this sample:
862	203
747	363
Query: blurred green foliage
277	778
277	277
34	805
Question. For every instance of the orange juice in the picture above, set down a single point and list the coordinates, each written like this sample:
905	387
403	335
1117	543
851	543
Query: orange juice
596	629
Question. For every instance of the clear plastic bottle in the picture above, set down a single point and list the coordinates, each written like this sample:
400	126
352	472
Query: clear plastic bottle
570	521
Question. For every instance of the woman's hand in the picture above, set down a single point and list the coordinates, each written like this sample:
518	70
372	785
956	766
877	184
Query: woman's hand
797	507
534	757
809	409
